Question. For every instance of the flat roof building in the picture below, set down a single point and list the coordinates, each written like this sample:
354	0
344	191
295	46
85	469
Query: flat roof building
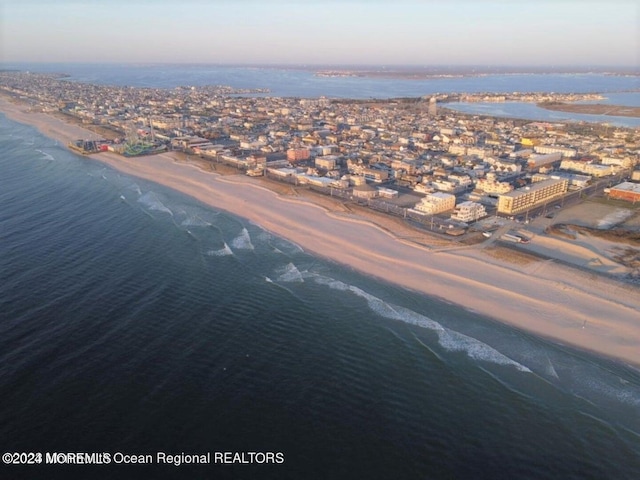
468	212
535	194
626	191
437	202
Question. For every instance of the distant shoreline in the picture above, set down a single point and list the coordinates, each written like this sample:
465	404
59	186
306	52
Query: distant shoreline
592	109
429	73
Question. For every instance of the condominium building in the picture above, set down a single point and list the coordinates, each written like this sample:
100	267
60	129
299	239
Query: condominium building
434	203
537	161
589	168
490	185
328	162
377	176
468	212
297	154
564	151
528	197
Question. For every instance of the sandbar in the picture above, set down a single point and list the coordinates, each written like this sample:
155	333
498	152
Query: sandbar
561	304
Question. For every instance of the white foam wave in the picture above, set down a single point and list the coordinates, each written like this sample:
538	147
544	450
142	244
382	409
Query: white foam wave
450	340
194	221
223	252
457	342
264	237
624	393
136	188
150	200
286	247
46	155
289	273
242	241
550	370
619	215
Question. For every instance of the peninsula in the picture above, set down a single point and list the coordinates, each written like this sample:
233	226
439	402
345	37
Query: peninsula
592	109
506	274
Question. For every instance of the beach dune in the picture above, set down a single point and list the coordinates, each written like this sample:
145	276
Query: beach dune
564	305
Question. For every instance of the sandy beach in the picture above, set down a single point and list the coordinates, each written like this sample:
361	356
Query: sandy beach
564	305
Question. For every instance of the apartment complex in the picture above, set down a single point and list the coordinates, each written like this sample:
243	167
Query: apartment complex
435	203
490	185
547	149
528	197
468	212
297	154
590	168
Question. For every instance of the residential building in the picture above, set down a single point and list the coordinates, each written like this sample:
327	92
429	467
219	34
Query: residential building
435	203
590	168
490	185
328	162
530	196
537	161
564	151
297	154
374	175
468	212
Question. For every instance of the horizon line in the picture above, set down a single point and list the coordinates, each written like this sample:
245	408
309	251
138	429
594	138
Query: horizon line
381	65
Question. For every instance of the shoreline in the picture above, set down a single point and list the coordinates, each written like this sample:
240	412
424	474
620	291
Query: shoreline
557	303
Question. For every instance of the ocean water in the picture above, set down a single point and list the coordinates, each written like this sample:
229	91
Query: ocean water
292	82
533	112
134	319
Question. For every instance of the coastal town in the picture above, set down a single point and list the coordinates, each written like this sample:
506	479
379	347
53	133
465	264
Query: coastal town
413	158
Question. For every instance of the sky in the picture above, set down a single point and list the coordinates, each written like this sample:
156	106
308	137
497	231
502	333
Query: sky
323	32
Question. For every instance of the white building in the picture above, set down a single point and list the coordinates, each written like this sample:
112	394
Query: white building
588	168
387	192
437	202
457	149
328	162
537	161
535	194
468	212
491	185
625	162
564	151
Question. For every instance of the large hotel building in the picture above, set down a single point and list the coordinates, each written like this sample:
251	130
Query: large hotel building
533	195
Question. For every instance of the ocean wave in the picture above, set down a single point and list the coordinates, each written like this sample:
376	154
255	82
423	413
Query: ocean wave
46	155
242	241
448	339
151	201
285	247
289	273
136	189
194	221
223	252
